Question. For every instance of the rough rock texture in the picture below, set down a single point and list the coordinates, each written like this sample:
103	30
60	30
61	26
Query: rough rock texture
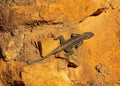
26	28
13	47
50	76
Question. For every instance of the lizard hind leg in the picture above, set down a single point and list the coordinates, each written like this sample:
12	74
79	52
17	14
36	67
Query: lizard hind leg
69	51
70	64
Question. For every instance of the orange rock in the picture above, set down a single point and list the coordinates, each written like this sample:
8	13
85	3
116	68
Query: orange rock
101	51
44	75
49	44
104	46
98	58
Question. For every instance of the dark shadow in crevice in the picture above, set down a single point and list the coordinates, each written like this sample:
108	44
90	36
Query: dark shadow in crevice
70	64
18	83
35	23
40	48
56	23
1	56
98	11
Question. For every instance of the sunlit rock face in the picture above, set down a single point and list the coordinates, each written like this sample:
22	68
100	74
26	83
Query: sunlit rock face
26	31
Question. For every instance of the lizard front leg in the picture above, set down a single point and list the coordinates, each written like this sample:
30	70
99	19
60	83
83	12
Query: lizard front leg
74	35
68	53
61	38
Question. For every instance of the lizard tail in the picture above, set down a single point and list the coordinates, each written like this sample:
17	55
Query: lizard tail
38	60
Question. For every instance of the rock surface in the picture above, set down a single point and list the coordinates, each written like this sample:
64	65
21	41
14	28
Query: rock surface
45	74
13	48
26	29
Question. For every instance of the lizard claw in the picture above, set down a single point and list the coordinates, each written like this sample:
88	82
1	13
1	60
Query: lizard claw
54	37
30	62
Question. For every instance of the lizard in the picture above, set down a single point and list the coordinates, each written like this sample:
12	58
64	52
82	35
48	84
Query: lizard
74	42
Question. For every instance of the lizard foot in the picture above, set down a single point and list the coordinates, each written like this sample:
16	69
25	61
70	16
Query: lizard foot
30	62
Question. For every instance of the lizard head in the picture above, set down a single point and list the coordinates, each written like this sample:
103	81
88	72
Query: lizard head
88	35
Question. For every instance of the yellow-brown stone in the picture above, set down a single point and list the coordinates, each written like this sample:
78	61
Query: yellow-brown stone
13	48
98	58
49	76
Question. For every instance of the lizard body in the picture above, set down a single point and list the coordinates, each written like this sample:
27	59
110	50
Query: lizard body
75	41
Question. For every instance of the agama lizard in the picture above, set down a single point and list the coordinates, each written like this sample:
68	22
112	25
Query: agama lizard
75	41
